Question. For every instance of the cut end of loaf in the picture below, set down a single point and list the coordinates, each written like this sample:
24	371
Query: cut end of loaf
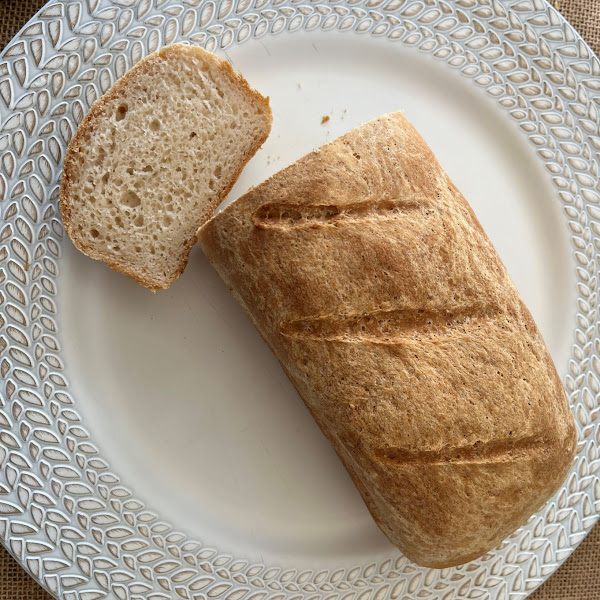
155	156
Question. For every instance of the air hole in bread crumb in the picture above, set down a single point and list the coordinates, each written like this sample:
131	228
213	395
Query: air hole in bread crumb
105	177
138	249
121	112
154	125
356	155
167	220
95	233
148	169
100	158
119	222
129	171
131	199
218	171
193	135
139	221
152	250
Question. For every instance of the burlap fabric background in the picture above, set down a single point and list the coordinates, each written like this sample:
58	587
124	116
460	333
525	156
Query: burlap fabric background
577	579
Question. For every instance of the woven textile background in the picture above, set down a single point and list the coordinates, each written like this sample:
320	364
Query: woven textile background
577	579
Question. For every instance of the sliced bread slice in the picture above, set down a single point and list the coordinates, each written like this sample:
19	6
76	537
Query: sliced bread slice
155	156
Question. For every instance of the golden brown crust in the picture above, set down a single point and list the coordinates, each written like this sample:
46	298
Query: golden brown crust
95	116
372	281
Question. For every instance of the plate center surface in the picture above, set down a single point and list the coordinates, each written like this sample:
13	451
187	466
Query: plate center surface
178	390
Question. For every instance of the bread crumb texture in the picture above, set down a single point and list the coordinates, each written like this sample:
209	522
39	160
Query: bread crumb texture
155	156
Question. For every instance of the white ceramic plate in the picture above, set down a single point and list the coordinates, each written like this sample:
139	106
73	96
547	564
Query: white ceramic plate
151	446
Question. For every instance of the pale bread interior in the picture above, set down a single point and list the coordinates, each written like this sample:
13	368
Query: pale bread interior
157	158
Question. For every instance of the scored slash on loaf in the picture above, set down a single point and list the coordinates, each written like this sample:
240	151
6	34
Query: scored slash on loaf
385	326
284	216
369	276
155	156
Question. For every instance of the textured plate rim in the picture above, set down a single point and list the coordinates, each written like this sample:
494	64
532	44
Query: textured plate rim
280	582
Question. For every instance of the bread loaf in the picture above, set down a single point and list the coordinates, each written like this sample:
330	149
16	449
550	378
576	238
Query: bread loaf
155	156
369	276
